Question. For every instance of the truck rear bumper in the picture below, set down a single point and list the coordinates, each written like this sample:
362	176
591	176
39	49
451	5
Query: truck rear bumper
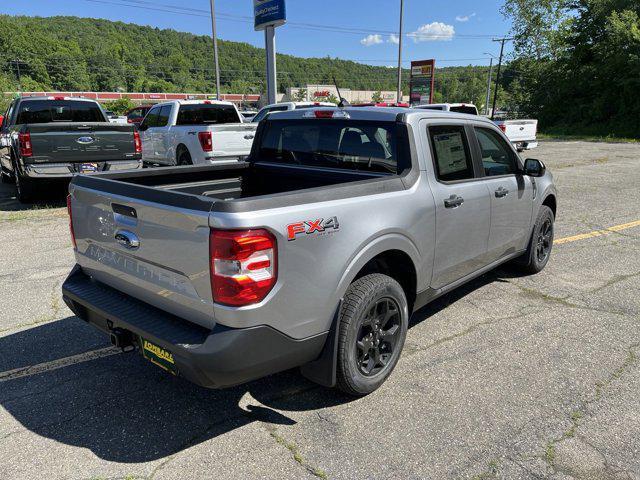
216	358
69	169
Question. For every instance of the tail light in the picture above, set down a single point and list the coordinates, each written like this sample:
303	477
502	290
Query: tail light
503	127
73	235
24	142
243	266
206	141
137	143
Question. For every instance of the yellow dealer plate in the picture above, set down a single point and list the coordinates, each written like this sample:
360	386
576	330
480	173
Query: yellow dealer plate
158	356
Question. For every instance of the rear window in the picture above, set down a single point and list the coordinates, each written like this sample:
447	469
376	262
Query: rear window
204	114
47	111
470	110
346	144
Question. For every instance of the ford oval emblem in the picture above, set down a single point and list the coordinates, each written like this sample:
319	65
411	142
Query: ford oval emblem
85	140
127	239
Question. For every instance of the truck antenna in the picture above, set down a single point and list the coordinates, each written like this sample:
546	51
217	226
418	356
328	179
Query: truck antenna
343	103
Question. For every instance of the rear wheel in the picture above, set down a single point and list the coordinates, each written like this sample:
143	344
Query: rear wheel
24	186
372	330
540	244
184	157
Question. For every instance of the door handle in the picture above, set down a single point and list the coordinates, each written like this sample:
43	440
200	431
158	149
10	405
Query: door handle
249	137
453	201
501	192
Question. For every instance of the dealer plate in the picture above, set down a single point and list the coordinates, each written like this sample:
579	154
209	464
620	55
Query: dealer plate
158	356
88	167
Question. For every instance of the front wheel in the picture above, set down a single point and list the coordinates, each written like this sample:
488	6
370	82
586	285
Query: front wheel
372	330
540	244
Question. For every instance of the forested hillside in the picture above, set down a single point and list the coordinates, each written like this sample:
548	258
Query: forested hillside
70	53
577	64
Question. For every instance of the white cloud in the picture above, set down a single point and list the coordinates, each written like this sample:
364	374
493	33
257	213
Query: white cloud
394	39
433	32
372	39
465	18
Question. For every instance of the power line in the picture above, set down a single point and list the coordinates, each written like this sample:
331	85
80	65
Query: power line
166	8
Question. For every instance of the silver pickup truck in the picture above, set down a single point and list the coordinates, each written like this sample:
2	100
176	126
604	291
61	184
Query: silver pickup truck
43	139
314	252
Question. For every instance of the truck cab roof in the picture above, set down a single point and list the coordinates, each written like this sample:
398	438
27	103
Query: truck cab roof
403	114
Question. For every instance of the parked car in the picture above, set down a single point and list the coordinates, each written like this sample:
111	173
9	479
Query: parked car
194	132
115	118
136	115
313	252
284	106
46	138
522	132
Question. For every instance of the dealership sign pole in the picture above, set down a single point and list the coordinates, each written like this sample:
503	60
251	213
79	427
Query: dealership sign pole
215	48
269	14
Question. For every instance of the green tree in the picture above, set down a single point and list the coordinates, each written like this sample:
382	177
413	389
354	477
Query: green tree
376	97
300	95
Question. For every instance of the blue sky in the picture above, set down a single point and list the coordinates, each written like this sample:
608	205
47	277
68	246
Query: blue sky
452	32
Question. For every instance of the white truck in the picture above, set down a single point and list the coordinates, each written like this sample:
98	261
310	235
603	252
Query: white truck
194	132
521	133
285	106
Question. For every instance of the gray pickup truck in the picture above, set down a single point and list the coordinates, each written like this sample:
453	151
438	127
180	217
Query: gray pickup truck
48	138
314	252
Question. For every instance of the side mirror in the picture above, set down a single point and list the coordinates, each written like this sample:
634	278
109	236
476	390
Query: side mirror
534	167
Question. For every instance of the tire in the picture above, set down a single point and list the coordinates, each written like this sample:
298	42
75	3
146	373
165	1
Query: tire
5	177
370	341
540	244
24	187
184	157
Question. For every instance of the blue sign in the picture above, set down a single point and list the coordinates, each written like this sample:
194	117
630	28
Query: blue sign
269	13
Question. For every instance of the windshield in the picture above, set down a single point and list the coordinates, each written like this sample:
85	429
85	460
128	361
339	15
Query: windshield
346	144
205	114
47	111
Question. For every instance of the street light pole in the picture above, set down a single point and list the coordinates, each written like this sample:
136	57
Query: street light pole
399	95
215	48
488	98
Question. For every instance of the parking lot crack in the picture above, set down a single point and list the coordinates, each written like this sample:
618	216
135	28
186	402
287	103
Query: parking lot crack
297	456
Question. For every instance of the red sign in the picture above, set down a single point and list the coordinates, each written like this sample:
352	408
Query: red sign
323	93
422	81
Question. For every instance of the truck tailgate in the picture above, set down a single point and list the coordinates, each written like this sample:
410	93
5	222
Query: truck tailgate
157	253
232	139
521	130
81	142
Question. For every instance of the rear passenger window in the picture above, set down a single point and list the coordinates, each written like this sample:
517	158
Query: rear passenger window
497	156
163	116
451	153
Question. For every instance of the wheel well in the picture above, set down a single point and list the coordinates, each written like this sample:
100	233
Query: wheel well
180	148
399	266
550	202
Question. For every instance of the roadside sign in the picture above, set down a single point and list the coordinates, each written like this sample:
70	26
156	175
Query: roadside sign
269	13
421	84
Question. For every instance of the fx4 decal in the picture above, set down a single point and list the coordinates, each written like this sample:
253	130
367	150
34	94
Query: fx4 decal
310	227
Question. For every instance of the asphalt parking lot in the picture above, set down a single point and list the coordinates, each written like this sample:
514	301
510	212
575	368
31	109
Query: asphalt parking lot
509	377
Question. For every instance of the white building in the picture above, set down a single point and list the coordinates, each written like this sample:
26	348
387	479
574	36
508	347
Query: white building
324	92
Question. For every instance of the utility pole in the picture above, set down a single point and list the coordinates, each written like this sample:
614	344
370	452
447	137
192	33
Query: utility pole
399	95
215	48
17	62
495	93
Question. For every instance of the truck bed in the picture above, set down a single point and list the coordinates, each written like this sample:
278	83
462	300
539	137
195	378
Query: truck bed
261	185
